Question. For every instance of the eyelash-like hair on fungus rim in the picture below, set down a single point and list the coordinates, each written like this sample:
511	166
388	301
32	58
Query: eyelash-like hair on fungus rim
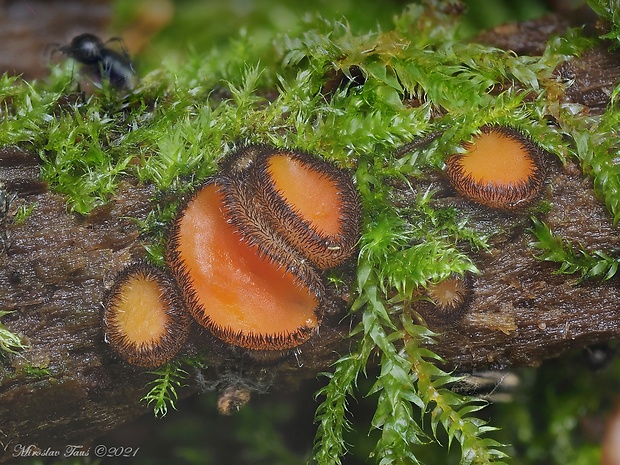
310	203
144	319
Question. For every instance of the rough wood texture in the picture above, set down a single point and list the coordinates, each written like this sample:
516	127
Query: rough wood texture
55	267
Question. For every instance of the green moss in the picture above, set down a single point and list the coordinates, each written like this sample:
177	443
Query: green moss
9	341
590	265
608	12
23	212
163	393
36	372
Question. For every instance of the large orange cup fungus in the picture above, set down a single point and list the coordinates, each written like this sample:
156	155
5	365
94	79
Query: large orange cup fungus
241	296
501	168
144	319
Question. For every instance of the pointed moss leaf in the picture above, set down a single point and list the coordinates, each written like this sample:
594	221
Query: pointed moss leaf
9	341
418	332
379	71
413	397
444	380
378	310
388	96
475	406
363	273
429	354
595	265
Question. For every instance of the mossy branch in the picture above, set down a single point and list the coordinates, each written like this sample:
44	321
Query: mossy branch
394	88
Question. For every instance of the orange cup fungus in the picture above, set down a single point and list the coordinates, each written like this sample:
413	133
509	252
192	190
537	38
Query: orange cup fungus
315	206
245	246
145	321
501	168
307	203
246	250
448	300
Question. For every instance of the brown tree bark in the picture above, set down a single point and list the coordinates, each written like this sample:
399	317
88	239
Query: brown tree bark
56	266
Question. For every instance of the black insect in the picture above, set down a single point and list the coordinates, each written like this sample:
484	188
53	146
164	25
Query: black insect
102	61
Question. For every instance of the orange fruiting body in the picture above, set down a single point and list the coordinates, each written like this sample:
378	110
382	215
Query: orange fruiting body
449	295
448	300
144	320
242	296
501	168
311	203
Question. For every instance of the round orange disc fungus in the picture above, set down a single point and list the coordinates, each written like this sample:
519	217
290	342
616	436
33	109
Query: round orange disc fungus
501	169
144	319
449	300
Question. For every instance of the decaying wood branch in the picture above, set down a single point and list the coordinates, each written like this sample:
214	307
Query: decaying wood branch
55	267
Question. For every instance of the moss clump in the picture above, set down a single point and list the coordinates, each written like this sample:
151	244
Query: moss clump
163	392
36	372
590	265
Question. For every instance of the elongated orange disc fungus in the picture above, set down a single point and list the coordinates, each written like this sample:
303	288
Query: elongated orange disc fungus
501	168
144	319
313	204
242	296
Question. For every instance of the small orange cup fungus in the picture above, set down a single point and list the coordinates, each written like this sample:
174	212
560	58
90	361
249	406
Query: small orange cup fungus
501	168
316	205
448	300
242	297
144	320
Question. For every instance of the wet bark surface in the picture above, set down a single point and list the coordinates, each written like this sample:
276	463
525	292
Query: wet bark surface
55	266
522	311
